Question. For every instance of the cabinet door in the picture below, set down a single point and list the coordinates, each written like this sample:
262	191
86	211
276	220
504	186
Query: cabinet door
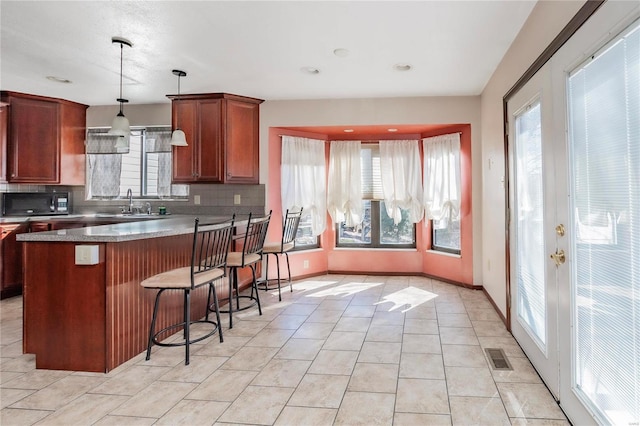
63	224
4	122
209	158
39	226
184	117
33	145
242	156
11	276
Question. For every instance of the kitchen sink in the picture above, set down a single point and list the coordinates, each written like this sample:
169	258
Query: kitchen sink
135	216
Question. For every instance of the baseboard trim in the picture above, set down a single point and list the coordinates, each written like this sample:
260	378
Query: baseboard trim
495	307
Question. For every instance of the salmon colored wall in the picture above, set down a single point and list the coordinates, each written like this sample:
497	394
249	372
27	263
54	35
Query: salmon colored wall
450	267
331	259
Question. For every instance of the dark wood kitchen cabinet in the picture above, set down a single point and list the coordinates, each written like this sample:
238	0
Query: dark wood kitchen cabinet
44	140
222	131
4	122
11	264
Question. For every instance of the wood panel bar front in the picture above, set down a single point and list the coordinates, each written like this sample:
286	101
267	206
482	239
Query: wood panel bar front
96	317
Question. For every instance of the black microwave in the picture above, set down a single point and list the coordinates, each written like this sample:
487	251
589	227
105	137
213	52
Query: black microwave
35	203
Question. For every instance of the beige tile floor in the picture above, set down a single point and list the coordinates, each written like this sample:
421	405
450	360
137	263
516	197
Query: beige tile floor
341	350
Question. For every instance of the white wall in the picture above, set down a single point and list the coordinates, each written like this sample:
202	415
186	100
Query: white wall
415	110
138	115
545	22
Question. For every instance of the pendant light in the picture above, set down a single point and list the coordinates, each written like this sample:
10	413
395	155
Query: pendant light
178	137
120	124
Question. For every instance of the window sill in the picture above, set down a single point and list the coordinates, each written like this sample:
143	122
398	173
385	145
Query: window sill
309	250
444	253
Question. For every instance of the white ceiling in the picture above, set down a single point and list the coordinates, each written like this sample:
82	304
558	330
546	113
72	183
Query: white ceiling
255	48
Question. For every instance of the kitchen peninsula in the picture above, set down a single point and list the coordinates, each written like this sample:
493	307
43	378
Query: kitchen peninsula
84	309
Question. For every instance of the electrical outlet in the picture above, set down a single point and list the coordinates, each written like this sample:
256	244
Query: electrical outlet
196	199
305	264
87	255
236	199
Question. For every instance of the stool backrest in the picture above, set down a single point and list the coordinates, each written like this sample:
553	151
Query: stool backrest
210	246
290	224
255	235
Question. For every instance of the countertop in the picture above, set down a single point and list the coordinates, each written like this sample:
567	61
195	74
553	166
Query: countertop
127	231
21	219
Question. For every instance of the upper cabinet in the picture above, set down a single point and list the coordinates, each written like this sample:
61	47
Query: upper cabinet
44	139
4	122
222	131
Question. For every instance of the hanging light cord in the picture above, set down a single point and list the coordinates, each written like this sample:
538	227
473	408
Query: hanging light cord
178	115
120	99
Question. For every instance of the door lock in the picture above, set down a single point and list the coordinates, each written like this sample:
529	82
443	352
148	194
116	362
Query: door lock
558	257
560	230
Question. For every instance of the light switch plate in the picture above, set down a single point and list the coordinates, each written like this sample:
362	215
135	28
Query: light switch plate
196	199
236	199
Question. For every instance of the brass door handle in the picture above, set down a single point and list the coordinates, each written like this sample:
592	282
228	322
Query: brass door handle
558	257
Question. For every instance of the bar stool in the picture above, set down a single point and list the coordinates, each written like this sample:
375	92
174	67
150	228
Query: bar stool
287	243
250	255
208	260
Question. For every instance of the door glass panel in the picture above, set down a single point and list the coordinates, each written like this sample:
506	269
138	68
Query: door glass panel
604	139
529	215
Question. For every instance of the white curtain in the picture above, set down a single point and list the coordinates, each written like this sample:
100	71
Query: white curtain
442	178
103	165
303	175
344	200
103	175
401	179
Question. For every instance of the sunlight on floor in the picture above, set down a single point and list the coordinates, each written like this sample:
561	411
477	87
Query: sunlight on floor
410	296
308	285
346	289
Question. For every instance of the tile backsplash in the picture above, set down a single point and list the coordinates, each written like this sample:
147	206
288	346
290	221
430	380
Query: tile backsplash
214	199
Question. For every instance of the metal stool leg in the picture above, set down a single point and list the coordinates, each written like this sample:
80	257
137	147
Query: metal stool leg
217	309
153	324
254	284
289	270
187	324
278	266
231	279
266	274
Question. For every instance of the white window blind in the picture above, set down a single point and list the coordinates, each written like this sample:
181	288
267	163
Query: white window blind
529	214
604	140
370	170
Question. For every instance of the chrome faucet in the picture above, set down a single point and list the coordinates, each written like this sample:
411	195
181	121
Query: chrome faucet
148	207
130	197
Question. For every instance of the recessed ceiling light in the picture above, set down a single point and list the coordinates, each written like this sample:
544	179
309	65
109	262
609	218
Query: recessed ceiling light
341	52
348	130
58	79
392	130
310	70
402	67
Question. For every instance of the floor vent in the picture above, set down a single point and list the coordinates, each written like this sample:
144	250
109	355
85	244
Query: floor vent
498	359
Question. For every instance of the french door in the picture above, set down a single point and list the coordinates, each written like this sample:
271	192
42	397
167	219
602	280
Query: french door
574	156
533	217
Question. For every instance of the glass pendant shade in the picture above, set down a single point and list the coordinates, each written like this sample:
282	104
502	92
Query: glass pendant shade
120	125
122	144
178	138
